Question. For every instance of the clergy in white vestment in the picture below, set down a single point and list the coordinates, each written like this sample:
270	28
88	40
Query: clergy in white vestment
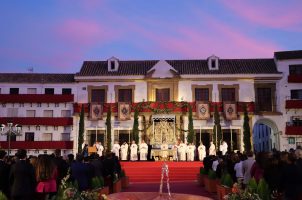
201	151
116	149
124	151
212	149
143	150
182	151
190	152
175	151
133	151
164	149
223	147
99	148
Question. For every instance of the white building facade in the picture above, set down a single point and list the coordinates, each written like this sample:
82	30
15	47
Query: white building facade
47	106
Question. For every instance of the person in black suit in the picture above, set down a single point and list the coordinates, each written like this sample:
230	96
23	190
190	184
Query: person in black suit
80	172
4	172
22	178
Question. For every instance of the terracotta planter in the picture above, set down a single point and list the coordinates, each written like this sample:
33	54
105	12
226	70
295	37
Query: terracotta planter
104	190
125	182
222	191
200	179
117	186
210	184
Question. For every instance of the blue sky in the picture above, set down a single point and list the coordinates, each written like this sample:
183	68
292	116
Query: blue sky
56	36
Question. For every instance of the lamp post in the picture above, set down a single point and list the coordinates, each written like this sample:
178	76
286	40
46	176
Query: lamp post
12	130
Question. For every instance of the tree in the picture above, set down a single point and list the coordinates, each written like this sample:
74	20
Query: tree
246	131
108	130
81	130
190	137
135	131
217	128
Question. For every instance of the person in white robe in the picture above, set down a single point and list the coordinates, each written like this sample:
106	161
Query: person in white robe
201	151
182	151
143	150
175	151
99	148
164	150
116	149
190	152
133	151
212	149
223	147
124	151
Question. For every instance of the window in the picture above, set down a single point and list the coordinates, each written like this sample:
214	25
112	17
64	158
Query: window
213	63
48	113
296	94
295	69
14	91
66	113
49	90
163	94
30	113
37	128
125	95
29	136
66	91
12	112
47	136
98	95
264	99
112	65
201	94
31	90
65	136
228	94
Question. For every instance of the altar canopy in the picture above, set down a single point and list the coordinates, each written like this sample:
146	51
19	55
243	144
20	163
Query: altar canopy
163	129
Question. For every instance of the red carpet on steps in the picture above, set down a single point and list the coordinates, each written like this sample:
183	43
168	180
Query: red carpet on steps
150	172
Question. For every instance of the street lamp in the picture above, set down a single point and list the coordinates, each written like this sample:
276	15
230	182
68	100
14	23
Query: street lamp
12	130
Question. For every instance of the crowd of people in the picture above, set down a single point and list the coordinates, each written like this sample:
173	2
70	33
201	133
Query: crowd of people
281	170
29	178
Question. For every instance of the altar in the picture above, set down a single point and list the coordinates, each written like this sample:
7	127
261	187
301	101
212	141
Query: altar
159	154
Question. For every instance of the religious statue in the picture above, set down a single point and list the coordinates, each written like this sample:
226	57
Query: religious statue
133	151
124	151
116	149
201	151
190	152
143	149
164	149
223	147
182	151
212	149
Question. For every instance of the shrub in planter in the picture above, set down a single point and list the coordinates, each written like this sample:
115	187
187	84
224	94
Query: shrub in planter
97	182
201	175
225	187
125	179
252	186
227	181
210	181
117	184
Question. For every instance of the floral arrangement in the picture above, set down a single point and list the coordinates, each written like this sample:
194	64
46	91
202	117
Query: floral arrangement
239	194
68	190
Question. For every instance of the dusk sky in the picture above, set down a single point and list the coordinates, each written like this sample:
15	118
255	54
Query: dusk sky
56	36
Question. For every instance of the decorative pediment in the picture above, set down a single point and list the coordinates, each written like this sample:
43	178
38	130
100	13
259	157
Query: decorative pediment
162	69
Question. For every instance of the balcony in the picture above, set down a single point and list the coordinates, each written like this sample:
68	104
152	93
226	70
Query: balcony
293	130
294	78
46	121
293	104
37	144
36	98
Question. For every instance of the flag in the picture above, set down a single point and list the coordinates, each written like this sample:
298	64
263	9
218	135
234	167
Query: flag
124	111
230	111
203	110
96	111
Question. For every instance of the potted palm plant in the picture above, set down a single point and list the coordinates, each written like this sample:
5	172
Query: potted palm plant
210	181
201	175
125	179
117	184
2	196
225	187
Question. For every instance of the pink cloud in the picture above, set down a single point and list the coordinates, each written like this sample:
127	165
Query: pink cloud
286	15
83	32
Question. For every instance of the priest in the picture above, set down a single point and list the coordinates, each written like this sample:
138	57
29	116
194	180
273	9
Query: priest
190	152
201	151
182	151
223	147
212	149
124	151
116	149
143	150
133	151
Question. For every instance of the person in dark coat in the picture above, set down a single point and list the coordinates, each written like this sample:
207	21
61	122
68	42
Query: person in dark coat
22	178
62	166
80	172
4	172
